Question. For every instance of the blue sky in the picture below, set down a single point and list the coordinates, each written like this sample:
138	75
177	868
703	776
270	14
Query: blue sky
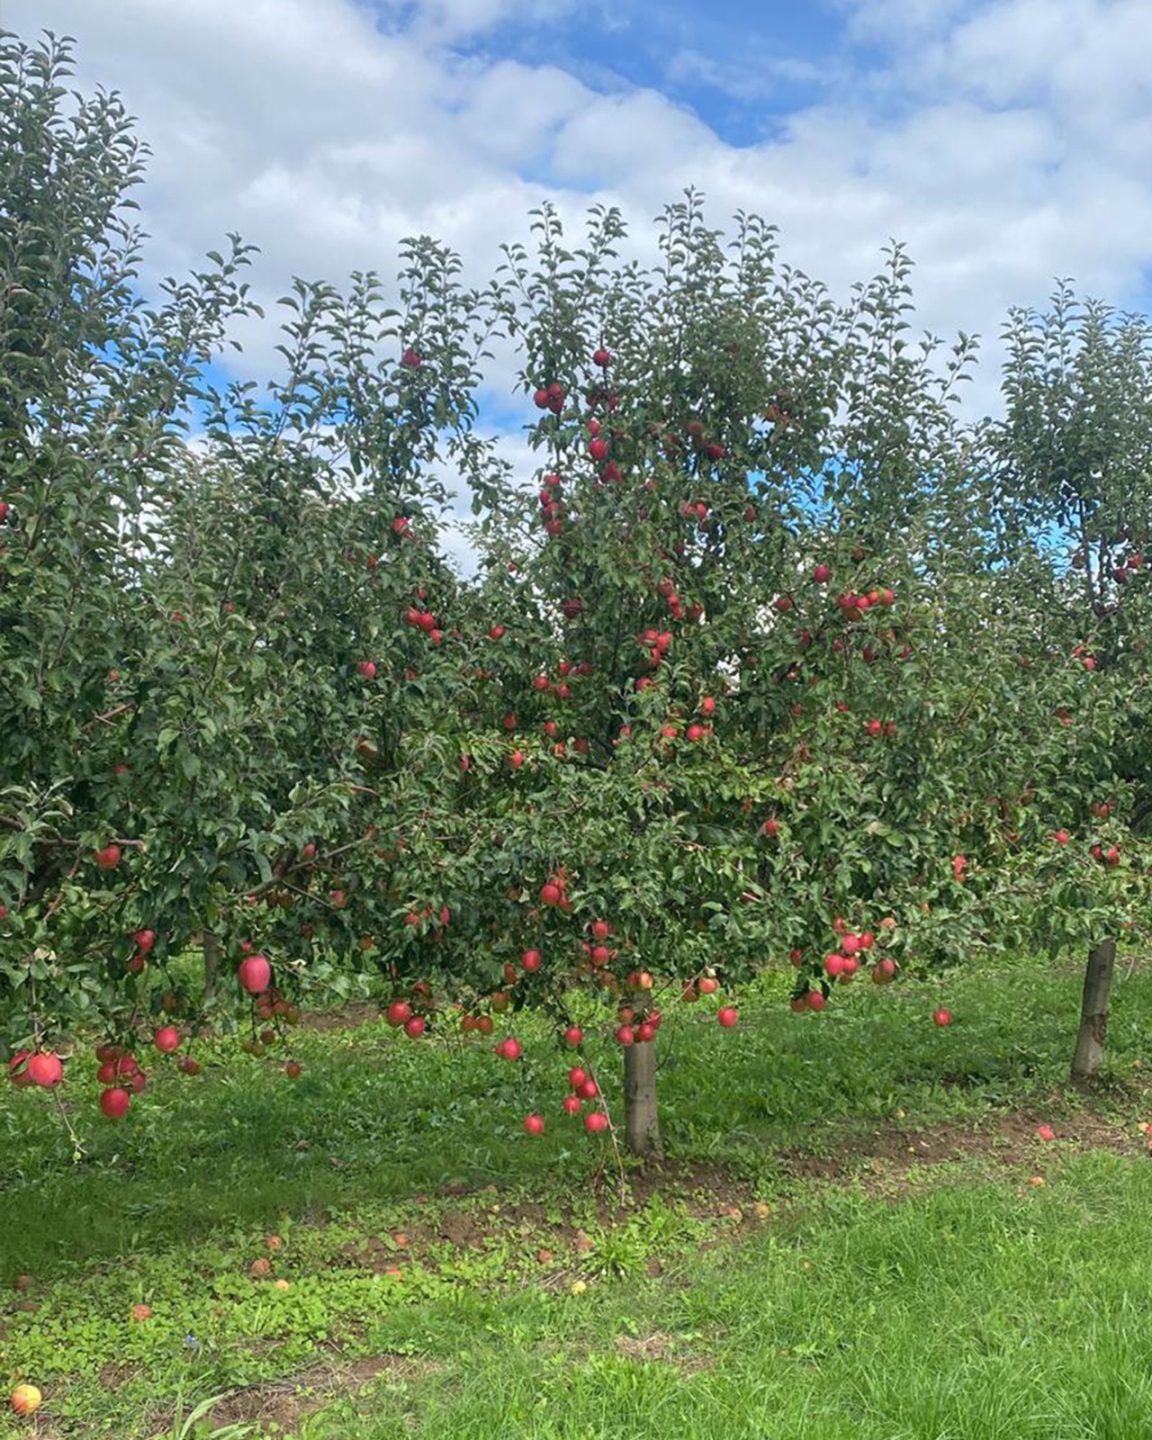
742	68
1007	142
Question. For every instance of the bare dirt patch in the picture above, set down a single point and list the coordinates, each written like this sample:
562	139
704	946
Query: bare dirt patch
284	1403
1008	1140
348	1017
658	1349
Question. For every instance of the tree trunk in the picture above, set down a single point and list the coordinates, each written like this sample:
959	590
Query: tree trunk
641	1118
1094	1013
211	962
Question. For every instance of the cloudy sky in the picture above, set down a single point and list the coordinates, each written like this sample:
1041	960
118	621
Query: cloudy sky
1005	141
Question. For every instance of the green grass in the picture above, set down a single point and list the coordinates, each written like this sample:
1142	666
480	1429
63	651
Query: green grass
945	1301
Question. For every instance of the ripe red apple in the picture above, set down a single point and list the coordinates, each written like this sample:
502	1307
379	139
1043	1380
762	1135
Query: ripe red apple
596	1122
115	1103
624	1035
942	1017
577	1076
1045	1132
816	1000
45	1069
531	960
167	1039
141	1312
516	759
707	985
573	1036
771	826
598	449
727	1015
255	974
415	1027
534	1124
602	358
188	1065
550	894
108	858
588	1090
510	1049
572	1104
144	940
293	1069
398	1013
821	574
367	668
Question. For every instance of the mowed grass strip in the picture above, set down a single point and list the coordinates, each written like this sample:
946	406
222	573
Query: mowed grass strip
459	1278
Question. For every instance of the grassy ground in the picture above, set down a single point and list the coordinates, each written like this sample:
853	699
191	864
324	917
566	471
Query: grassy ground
859	1235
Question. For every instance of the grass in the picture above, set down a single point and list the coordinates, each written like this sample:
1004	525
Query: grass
848	1243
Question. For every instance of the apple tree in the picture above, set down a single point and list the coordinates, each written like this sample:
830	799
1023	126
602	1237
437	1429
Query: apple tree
1068	466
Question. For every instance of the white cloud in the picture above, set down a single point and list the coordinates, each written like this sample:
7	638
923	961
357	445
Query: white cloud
1006	141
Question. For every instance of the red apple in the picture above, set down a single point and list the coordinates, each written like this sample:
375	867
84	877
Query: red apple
115	1103
534	1124
45	1069
942	1017
167	1039
255	974
108	858
398	1013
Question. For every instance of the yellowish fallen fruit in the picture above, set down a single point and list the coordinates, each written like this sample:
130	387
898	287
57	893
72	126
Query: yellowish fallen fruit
25	1399
281	1284
578	1287
762	1210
